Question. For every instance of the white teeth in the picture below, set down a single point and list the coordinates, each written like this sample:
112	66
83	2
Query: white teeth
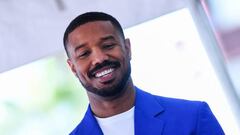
104	72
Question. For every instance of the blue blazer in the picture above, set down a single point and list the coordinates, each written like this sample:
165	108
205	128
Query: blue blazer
156	115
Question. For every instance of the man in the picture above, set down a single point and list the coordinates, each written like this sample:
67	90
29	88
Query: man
99	56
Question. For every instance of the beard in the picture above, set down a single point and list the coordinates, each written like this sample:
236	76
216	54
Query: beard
113	91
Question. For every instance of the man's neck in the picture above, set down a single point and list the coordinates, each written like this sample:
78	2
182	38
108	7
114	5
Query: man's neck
108	107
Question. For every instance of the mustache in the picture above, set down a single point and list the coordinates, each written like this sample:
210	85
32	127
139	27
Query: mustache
105	63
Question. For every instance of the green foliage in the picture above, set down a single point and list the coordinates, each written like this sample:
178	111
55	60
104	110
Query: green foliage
52	94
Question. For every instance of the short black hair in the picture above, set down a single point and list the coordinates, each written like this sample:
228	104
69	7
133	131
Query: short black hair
90	17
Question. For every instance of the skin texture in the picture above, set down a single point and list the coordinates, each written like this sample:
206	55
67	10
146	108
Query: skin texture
97	47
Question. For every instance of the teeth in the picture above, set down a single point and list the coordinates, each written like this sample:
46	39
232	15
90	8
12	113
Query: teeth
104	72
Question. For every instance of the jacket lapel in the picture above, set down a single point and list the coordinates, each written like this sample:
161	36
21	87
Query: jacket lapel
147	110
90	125
146	119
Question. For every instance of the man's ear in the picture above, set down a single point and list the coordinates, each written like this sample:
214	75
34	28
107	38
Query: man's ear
128	47
71	65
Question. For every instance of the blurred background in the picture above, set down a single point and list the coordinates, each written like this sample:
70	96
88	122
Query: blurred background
186	49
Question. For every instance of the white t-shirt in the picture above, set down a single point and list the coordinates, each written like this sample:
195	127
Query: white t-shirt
120	124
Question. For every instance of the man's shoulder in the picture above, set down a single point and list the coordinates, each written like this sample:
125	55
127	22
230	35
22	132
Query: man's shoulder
168	100
176	102
170	104
180	114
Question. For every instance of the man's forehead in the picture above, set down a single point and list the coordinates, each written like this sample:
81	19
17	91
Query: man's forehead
95	25
92	32
92	29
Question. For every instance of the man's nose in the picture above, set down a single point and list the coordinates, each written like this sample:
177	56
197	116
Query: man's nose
98	57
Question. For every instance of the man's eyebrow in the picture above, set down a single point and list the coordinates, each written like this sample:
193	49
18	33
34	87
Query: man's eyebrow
110	37
78	47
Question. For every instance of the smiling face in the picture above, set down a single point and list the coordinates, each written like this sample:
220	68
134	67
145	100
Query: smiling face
99	57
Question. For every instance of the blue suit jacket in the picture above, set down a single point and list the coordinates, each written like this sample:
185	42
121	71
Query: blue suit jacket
155	115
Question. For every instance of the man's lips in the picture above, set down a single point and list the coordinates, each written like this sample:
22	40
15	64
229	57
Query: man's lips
105	76
104	72
103	69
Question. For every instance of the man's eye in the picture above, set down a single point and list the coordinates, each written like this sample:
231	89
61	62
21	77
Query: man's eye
108	46
83	54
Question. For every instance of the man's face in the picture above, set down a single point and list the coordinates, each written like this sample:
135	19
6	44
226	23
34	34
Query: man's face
99	57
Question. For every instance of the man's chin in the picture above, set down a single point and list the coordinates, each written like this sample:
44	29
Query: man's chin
113	89
105	92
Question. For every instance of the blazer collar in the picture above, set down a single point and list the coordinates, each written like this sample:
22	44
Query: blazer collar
89	124
147	110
